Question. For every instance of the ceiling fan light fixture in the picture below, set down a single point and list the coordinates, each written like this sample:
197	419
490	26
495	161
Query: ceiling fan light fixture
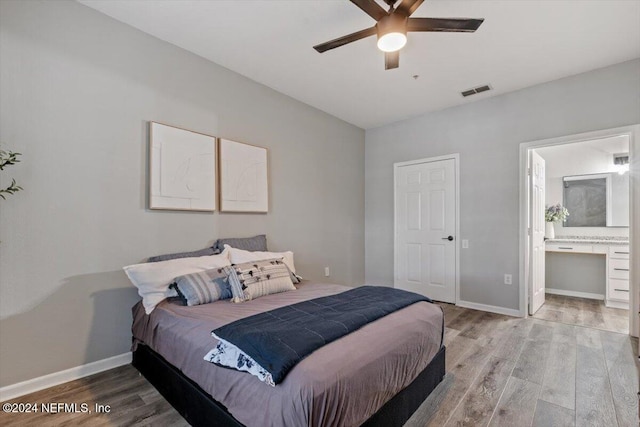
393	24
391	42
392	32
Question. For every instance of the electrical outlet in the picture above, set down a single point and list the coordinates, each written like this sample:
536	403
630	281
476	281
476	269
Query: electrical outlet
465	244
508	279
327	273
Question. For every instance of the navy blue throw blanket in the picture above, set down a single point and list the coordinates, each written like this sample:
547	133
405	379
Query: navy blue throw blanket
278	339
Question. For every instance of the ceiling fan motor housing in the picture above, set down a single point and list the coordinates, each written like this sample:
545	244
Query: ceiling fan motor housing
392	32
394	23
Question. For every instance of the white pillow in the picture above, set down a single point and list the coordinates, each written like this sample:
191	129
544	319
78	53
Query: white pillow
239	256
153	279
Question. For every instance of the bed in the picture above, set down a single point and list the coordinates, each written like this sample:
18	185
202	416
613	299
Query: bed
377	375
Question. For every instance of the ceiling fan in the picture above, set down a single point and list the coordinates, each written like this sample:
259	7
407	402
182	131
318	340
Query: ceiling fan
392	27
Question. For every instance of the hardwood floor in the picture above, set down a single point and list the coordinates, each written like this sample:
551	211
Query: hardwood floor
132	401
583	312
505	371
501	371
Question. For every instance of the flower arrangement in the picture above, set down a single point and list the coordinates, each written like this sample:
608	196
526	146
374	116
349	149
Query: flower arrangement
556	213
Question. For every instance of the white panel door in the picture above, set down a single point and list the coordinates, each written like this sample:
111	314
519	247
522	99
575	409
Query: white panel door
425	229
536	224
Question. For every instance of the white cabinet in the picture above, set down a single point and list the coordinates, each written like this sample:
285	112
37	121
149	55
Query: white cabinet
578	248
619	252
618	275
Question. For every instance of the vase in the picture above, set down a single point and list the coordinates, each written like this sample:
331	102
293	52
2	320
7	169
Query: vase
549	231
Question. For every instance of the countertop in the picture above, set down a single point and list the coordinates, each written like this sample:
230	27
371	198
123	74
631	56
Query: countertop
601	240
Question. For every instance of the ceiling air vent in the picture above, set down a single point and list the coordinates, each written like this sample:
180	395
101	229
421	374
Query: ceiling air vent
475	90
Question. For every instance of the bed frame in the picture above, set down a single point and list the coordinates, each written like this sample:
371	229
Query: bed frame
200	409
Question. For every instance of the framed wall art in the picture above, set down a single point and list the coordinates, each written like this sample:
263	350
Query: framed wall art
244	177
182	169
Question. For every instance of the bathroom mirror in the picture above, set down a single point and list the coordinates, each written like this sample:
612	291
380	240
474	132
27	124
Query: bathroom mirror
597	200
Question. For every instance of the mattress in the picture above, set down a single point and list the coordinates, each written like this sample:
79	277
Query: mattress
340	384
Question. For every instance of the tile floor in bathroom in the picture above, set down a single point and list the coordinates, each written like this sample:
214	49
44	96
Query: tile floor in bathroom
583	312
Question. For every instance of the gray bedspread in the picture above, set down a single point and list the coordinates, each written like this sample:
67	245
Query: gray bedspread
340	384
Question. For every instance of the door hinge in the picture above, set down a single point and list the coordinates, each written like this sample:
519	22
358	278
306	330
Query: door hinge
528	171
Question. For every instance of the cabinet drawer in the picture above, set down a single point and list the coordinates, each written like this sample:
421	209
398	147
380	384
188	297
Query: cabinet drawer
618	289
619	252
569	247
619	269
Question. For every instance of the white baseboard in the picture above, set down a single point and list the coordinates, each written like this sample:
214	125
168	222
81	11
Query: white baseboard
574	294
20	389
489	308
617	304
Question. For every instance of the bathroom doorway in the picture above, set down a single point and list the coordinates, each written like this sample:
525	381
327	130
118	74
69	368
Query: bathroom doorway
579	273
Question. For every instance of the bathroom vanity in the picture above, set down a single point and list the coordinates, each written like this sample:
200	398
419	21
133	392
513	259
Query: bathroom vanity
616	253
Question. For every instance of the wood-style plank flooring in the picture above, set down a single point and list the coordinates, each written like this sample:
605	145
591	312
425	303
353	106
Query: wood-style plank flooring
132	401
501	371
505	371
583	312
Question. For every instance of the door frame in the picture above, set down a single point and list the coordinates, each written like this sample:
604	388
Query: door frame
456	162
633	132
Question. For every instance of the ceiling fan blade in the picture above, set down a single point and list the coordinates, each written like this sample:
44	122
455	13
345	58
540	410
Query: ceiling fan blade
371	8
407	7
456	25
391	60
340	41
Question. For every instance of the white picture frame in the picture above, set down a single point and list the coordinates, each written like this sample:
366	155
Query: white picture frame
244	177
182	169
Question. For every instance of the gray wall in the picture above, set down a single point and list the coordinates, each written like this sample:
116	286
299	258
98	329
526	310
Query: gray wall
487	134
576	272
77	89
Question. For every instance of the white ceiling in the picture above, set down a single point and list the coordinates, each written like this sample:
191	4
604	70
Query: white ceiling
612	145
521	43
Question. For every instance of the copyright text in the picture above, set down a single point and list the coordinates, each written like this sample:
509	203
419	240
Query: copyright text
55	408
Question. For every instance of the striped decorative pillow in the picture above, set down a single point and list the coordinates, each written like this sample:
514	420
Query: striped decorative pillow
205	286
260	278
